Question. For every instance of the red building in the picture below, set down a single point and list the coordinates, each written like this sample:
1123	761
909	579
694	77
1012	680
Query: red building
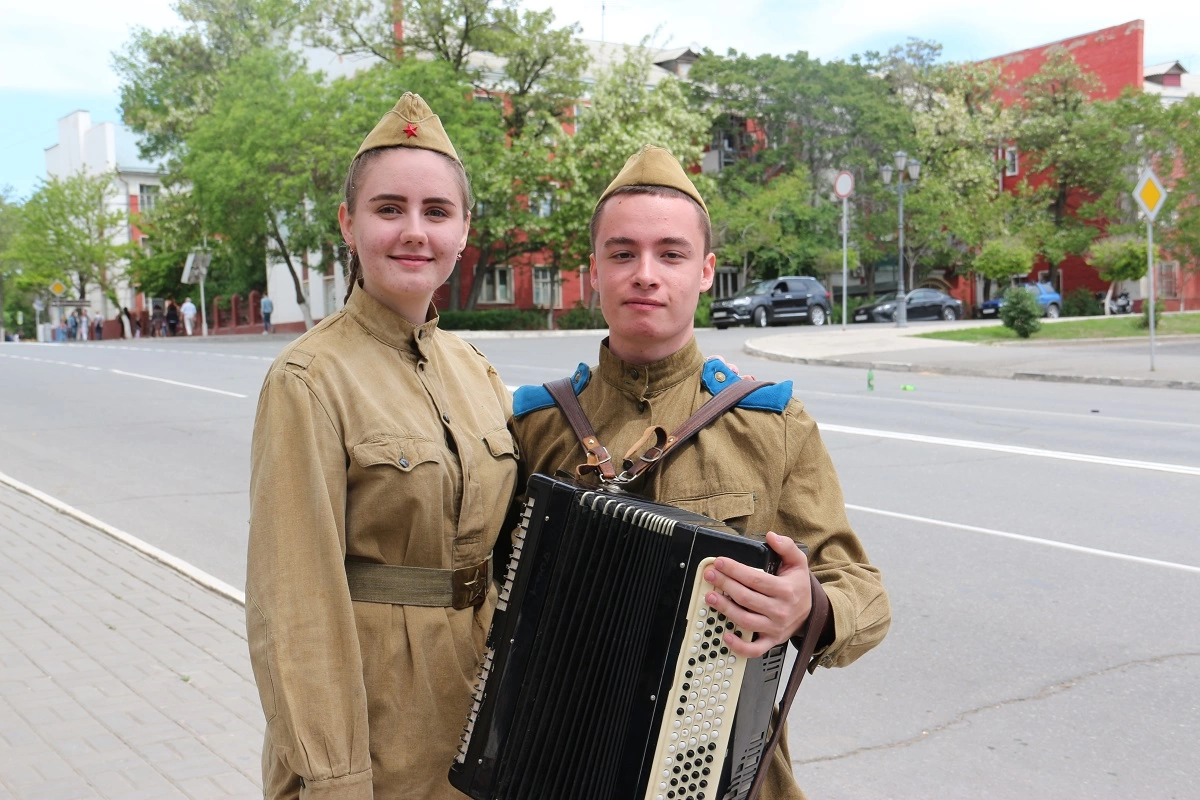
1115	56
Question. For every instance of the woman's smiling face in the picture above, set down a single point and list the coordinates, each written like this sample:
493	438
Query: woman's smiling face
408	226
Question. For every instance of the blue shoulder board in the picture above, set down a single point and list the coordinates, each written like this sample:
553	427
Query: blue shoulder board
717	375
534	398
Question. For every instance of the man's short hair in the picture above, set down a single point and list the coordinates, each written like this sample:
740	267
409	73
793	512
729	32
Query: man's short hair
655	191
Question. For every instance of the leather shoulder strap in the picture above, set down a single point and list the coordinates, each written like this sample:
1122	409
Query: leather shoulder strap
805	663
597	454
717	405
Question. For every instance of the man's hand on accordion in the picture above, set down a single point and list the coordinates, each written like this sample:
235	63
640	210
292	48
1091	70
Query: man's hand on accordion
775	606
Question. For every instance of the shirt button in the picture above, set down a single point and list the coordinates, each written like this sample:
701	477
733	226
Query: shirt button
642	405
404	463
633	373
446	418
720	376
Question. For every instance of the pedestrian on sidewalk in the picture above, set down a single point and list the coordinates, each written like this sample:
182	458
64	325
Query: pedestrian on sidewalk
266	306
172	317
84	324
380	443
188	309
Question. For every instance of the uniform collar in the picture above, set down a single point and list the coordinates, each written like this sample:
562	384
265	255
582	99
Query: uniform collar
644	380
389	327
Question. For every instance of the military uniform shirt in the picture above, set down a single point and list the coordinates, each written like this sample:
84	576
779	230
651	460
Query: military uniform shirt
385	442
759	467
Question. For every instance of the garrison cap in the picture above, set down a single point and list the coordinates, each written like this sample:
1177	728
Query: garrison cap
654	166
410	124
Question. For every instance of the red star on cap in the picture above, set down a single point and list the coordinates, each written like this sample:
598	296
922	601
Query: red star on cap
411	130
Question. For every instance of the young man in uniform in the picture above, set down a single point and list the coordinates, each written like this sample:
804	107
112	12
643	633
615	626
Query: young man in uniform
759	467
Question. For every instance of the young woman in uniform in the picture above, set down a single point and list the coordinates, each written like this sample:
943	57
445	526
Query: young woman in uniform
382	471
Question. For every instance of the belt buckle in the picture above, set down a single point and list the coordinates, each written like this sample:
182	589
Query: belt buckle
470	585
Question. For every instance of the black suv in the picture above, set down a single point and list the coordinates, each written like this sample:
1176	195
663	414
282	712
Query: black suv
793	298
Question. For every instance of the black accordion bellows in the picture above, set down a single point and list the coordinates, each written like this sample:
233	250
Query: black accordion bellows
599	653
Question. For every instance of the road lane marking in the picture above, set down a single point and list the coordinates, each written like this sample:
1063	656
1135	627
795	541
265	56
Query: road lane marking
184	352
1075	548
129	374
1128	463
1002	409
162	556
176	383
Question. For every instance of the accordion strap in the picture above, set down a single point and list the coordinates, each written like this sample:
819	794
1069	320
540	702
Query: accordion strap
600	460
805	663
597	454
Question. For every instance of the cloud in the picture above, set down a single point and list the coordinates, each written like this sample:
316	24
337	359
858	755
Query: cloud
67	45
829	29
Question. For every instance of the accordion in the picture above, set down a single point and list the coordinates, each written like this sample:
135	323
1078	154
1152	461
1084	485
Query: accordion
605	675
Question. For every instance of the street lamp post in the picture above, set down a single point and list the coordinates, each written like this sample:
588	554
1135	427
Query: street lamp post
901	160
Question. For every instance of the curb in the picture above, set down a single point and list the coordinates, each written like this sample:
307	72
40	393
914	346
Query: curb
193	573
900	366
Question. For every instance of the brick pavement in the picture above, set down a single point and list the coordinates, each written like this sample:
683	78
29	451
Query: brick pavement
119	677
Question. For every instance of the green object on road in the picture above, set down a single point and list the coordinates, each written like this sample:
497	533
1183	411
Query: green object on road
870	380
908	387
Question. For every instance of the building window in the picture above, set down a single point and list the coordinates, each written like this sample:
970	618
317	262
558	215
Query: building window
1012	163
579	115
147	196
1168	279
496	285
547	288
541	203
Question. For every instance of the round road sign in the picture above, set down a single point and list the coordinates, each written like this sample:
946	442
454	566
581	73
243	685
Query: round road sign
843	184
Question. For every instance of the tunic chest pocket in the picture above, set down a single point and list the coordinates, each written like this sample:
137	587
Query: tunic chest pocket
733	508
402	452
500	443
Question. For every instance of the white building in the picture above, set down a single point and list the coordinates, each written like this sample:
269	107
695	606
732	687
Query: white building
100	148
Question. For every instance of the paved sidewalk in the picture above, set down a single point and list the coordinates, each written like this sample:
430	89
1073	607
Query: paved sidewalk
1118	362
119	677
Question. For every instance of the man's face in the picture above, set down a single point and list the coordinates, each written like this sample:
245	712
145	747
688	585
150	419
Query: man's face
649	268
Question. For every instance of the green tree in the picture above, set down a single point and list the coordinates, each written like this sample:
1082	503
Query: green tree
67	233
1118	258
1021	312
10	220
1001	260
626	113
170	79
1072	153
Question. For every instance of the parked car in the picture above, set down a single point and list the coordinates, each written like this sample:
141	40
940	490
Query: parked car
1048	299
793	298
919	303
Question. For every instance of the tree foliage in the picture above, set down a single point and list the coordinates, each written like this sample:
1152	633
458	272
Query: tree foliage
66	232
1072	156
1119	258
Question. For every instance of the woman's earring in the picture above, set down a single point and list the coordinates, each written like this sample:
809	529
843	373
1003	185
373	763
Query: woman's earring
459	256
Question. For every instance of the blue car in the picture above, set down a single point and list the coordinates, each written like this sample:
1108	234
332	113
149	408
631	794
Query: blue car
1048	299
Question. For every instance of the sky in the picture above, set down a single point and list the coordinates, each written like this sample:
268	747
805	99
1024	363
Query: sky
56	57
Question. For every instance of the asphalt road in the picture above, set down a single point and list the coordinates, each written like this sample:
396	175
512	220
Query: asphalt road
1038	541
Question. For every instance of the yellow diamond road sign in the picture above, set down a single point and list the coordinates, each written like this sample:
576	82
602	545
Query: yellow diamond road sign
1149	193
58	287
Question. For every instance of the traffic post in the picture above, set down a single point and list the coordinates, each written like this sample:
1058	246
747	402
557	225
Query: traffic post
1150	195
194	271
843	187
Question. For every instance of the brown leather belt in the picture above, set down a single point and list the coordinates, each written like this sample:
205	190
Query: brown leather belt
419	586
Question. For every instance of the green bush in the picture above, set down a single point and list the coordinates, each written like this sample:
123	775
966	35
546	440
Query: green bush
493	319
1144	320
835	316
703	316
1081	303
581	318
1021	312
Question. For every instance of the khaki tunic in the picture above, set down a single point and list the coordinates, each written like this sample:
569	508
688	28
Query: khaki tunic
758	470
385	442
